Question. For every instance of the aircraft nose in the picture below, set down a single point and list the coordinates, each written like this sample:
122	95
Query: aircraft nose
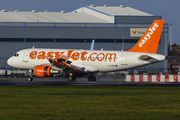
9	61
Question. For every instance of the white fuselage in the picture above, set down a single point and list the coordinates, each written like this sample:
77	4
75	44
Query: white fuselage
104	61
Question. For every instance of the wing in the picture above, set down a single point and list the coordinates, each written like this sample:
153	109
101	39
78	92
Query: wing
67	66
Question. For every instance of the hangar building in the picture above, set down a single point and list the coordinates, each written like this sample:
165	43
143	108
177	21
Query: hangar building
111	26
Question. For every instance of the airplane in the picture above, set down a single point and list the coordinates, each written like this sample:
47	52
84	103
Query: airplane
77	63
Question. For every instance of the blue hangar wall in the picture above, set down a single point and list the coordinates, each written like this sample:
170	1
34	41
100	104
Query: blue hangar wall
109	36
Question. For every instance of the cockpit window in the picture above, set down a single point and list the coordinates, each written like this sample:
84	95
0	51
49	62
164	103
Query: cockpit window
16	55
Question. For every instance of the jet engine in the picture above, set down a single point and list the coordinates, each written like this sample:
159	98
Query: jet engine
44	71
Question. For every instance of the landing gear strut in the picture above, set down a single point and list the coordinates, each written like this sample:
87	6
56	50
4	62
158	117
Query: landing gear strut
30	77
70	77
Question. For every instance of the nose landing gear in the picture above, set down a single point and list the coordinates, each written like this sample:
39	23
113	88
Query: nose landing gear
30	77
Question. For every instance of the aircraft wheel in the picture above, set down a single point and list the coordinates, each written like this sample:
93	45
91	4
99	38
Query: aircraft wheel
30	79
89	78
94	78
71	78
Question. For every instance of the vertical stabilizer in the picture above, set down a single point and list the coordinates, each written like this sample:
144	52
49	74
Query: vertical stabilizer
149	42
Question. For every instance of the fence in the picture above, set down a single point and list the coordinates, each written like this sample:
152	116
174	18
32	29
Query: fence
152	78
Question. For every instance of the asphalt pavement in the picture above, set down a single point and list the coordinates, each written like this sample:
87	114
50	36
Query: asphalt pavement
62	81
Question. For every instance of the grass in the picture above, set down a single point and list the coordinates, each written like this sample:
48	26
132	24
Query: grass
89	102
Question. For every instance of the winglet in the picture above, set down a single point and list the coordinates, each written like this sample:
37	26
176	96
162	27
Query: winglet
149	42
92	45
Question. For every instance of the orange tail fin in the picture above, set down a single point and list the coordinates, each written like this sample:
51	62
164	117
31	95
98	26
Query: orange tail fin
149	42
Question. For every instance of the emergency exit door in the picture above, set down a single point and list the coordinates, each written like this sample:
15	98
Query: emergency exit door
25	57
124	59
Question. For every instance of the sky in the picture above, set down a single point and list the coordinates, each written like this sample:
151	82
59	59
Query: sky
168	9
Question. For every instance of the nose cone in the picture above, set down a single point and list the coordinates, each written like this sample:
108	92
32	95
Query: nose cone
9	61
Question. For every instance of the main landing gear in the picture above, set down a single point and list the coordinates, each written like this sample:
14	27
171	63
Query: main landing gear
71	77
30	77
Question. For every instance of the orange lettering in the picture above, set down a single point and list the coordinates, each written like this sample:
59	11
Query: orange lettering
41	55
91	58
49	55
69	54
58	54
110	57
63	57
98	58
83	55
33	54
75	56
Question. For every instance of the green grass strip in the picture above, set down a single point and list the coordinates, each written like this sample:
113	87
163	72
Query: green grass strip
89	102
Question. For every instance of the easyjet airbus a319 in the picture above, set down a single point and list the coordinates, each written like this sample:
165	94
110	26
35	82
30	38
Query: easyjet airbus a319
76	63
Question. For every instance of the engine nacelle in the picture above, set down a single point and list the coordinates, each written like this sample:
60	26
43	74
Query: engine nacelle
44	71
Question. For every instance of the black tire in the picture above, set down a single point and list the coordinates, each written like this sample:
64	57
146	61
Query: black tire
93	78
71	78
30	79
89	78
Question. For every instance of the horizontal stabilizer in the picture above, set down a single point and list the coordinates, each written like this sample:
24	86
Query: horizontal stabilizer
148	58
